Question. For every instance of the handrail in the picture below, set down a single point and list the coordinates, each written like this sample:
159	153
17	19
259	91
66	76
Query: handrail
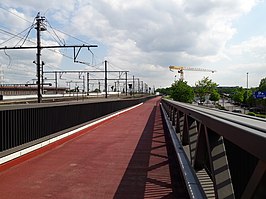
193	185
231	147
250	135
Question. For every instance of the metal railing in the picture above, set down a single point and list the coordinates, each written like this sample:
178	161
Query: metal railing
187	174
22	124
230	147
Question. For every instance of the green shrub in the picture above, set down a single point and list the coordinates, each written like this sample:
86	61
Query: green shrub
260	115
252	113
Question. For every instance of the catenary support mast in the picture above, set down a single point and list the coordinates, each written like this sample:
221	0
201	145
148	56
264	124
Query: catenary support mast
40	26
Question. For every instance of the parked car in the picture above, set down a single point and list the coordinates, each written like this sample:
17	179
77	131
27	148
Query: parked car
237	111
244	106
200	103
256	110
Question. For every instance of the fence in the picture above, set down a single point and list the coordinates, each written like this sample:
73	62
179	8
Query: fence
230	147
23	124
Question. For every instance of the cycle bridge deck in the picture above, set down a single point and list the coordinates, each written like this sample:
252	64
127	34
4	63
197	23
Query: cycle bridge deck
123	157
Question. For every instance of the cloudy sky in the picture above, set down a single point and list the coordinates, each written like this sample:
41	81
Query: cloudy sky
144	37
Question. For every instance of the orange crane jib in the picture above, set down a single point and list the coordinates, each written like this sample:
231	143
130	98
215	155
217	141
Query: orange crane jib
182	68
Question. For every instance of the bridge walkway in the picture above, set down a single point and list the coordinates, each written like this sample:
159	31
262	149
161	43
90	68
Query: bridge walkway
124	157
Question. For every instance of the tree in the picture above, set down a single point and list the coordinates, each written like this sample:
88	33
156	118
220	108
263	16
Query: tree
251	101
226	90
247	96
215	96
182	92
204	88
97	90
164	91
238	95
262	86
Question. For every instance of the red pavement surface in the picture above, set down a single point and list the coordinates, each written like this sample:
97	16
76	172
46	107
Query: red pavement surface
123	158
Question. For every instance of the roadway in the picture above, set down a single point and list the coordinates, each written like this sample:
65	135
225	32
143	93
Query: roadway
238	118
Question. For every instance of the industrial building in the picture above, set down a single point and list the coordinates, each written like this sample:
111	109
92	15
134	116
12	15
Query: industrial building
24	89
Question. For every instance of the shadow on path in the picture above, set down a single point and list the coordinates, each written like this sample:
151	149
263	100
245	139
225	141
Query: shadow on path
147	175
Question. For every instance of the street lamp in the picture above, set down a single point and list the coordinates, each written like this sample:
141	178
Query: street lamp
247	80
247	87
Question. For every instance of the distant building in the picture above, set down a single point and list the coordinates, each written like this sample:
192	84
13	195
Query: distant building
22	89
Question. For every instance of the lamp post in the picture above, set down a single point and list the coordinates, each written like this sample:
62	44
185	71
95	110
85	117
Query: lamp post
247	92
247	80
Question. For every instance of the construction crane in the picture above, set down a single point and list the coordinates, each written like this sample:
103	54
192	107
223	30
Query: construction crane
182	68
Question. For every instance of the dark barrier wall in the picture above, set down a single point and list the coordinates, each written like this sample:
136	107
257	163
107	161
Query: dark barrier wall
23	125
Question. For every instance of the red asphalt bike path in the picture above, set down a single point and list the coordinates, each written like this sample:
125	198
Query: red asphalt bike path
125	157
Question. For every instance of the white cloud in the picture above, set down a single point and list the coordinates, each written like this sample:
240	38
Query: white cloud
146	37
198	30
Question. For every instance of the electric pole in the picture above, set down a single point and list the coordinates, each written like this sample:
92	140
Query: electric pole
105	78
39	27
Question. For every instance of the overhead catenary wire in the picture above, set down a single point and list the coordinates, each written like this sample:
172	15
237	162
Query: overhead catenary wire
13	35
14	14
115	67
92	57
9	58
53	28
25	37
60	41
50	24
57	41
97	66
57	38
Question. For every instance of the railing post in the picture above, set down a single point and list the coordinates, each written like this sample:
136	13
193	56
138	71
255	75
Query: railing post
174	116
177	125
190	136
181	124
219	166
171	113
